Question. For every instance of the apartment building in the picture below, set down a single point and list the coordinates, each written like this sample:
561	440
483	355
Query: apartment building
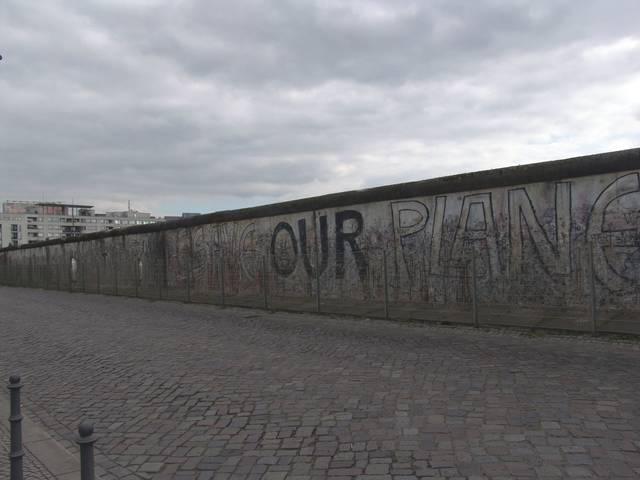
29	222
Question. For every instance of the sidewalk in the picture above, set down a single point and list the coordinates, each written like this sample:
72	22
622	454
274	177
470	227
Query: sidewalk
44	458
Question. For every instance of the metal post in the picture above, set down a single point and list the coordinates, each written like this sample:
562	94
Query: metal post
317	262
86	441
265	284
386	285
136	266
189	273
474	289
159	281
115	275
592	289
222	275
47	267
15	418
98	276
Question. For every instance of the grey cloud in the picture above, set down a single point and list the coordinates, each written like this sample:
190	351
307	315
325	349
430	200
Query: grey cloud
250	100
302	43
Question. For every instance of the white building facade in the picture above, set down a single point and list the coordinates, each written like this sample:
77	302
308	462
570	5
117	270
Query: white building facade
30	222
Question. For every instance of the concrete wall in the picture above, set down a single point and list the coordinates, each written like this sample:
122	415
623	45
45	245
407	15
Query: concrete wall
528	228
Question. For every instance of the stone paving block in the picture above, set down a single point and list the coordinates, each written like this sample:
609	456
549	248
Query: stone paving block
180	391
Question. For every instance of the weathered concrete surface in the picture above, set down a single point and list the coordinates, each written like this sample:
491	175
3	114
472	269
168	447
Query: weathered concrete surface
555	235
194	391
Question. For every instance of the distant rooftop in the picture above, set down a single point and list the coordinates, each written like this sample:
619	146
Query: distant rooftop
57	204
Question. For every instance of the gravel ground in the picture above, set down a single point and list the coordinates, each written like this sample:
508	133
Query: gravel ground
195	392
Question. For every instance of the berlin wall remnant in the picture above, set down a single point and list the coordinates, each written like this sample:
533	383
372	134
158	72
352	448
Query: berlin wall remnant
526	226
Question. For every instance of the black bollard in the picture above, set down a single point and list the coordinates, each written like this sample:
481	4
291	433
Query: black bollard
86	441
15	417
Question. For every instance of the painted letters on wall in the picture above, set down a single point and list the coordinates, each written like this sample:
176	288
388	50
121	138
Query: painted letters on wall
529	241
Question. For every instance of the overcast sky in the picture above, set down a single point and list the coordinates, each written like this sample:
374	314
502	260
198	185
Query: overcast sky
208	105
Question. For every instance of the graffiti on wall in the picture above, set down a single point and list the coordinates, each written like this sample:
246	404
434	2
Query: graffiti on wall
527	241
537	233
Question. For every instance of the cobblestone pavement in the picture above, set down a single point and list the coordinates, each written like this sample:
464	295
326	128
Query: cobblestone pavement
197	392
32	468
